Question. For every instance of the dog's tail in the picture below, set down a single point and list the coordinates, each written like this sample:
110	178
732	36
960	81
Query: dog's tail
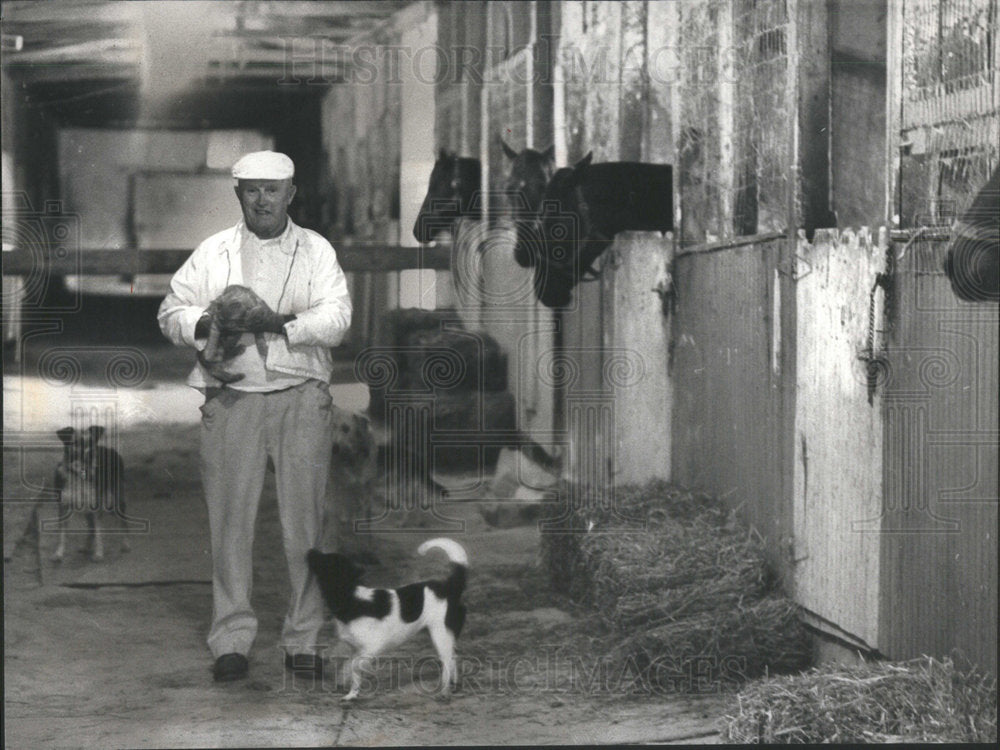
459	561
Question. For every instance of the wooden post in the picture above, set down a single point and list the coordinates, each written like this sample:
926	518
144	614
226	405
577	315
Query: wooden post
636	357
809	60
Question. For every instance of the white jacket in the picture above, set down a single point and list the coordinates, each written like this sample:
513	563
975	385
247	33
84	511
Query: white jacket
314	290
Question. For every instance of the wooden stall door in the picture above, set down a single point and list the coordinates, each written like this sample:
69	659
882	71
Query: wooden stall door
939	524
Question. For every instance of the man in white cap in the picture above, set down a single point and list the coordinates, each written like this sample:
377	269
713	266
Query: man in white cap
276	404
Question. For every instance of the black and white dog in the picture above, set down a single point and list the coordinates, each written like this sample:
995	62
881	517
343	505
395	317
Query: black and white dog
373	620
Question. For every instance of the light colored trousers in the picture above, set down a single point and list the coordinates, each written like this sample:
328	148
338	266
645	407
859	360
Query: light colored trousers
239	430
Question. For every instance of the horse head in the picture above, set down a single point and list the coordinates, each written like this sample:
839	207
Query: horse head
524	188
971	262
451	193
570	243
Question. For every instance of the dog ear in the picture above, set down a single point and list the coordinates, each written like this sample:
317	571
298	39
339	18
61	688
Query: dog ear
96	433
549	154
66	435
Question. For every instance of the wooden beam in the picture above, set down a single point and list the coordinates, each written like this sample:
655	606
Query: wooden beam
374	258
68	12
107	51
328	9
76	72
377	258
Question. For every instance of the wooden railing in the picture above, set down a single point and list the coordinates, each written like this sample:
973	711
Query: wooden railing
356	257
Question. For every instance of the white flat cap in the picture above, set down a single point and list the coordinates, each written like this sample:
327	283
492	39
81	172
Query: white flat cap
264	165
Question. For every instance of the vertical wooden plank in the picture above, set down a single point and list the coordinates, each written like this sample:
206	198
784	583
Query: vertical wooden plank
726	77
660	135
417	101
633	93
812	69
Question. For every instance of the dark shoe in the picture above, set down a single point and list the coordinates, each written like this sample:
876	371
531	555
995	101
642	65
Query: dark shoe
229	667
304	663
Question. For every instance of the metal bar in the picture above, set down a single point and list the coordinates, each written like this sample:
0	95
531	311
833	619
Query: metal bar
712	247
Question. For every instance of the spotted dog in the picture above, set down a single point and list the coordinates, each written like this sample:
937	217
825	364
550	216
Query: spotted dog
373	620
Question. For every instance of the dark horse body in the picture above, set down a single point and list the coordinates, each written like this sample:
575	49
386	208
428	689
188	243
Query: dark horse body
584	206
973	260
452	193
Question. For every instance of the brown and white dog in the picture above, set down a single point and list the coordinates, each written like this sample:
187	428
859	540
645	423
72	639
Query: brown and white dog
90	480
373	620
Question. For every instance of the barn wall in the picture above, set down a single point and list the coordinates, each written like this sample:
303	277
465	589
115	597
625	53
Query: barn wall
939	525
837	491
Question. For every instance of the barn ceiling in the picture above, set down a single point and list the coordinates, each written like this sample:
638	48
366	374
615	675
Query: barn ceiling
246	43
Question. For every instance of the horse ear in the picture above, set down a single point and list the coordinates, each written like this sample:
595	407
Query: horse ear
549	154
511	153
585	161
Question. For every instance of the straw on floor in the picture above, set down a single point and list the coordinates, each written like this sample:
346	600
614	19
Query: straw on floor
684	591
923	700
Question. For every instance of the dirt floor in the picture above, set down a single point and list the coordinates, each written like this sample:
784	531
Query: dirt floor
113	654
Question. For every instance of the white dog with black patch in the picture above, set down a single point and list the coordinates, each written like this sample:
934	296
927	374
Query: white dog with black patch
373	620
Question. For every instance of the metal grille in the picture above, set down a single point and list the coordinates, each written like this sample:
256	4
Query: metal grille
950	109
735	141
764	121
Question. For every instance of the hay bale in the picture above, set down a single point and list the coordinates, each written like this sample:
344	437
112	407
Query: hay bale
686	592
721	646
923	700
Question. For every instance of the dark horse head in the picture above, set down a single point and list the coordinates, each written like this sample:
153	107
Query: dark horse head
566	249
972	260
451	194
524	189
